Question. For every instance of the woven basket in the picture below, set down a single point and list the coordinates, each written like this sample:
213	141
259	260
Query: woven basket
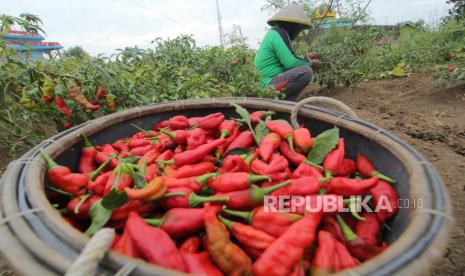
41	242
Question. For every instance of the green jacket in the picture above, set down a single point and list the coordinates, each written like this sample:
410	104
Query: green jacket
275	56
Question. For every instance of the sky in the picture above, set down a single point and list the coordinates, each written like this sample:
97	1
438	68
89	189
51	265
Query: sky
101	26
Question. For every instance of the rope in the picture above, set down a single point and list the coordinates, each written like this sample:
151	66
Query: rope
127	269
19	214
87	262
318	101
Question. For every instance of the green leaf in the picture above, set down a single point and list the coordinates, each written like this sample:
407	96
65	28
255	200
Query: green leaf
99	215
245	118
323	144
242	112
139	180
131	160
238	151
114	199
261	131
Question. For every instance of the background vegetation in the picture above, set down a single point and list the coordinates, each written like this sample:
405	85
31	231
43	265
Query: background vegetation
178	69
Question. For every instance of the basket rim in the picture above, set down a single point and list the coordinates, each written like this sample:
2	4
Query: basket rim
417	237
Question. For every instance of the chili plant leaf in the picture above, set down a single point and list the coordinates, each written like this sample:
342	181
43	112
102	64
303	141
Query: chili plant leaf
114	199
238	151
261	131
323	144
139	179
99	215
245	118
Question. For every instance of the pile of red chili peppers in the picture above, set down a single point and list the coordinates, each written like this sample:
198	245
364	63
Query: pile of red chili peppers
189	195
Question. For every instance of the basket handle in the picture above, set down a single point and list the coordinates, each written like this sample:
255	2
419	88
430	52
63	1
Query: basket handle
336	104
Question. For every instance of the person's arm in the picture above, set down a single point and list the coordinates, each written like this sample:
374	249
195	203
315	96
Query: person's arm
285	56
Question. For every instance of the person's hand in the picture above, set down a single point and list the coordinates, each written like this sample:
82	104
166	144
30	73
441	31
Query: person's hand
311	56
316	63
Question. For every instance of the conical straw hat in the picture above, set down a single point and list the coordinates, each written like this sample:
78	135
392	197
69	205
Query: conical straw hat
293	13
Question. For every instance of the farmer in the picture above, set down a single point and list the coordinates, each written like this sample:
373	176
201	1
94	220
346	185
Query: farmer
279	67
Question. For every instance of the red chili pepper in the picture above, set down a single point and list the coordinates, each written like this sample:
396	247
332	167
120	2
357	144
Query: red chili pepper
137	206
211	121
149	157
178	136
346	169
79	209
64	179
195	183
197	137
283	254
345	258
295	157
78	96
154	244
253	253
194	155
358	247
161	125
165	156
333	160
313	200
221	149
62	106
125	245
451	68
191	245
140	151
102	156
228	256
258	167
152	191
201	264
250	198
234	163
188	200
384	194
151	171
178	122
350	187
101	92
245	139
256	116
194	121
269	144
329	224
277	163
273	223
248	235
325	254
283	129
367	169
107	148
121	146
119	179
369	228
140	142
194	169
98	185
305	169
86	160
302	139
229	182
227	128
303	186
180	222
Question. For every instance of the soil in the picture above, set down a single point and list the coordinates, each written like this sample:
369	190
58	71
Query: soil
430	118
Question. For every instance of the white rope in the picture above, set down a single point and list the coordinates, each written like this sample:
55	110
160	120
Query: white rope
87	262
19	214
127	269
318	101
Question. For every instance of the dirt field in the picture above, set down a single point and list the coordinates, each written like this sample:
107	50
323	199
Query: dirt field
430	118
